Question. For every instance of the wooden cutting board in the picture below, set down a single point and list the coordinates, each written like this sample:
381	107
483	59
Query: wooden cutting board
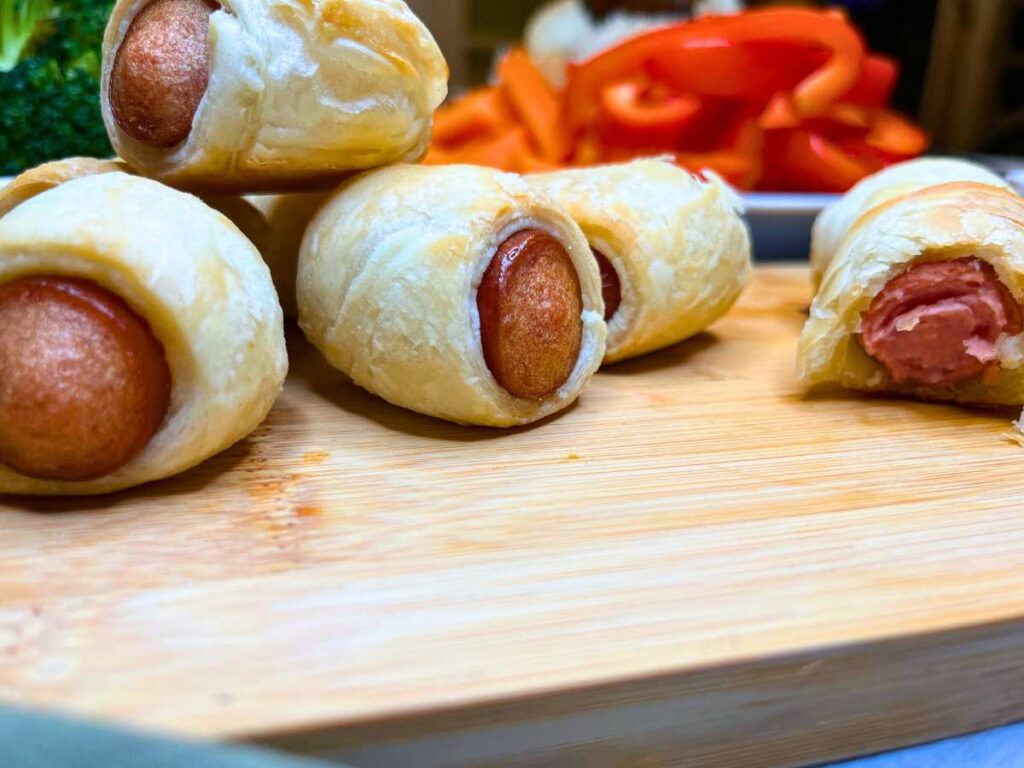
696	565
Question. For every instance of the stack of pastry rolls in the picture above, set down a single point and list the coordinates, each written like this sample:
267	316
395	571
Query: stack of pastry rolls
921	272
140	330
486	298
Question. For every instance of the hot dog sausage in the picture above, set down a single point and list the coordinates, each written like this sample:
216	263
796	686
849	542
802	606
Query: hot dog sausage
611	286
530	306
161	71
84	385
937	323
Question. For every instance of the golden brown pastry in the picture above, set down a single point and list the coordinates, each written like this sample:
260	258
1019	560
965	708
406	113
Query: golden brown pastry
139	335
49	175
837	219
673	252
923	298
454	291
275	224
250	95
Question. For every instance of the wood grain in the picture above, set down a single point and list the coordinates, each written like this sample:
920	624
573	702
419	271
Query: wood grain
697	564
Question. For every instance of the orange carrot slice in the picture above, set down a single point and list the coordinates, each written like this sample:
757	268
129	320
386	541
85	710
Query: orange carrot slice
535	103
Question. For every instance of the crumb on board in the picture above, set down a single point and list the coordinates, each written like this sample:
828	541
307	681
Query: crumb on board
1016	433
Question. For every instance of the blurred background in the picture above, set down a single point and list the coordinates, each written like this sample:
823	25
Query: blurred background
963	60
962	65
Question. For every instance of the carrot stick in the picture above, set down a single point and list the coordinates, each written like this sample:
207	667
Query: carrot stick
437	156
588	150
527	161
480	113
535	103
500	152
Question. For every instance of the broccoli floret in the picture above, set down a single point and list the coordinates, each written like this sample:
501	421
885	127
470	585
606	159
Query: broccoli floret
18	21
49	101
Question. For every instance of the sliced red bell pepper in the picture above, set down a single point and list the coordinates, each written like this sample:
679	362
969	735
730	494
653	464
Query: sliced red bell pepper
721	68
739	170
813	95
809	162
739	159
634	112
878	78
843	121
853	116
895	136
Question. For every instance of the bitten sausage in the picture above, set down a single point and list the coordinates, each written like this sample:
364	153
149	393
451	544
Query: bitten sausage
530	307
611	286
161	71
937	323
84	385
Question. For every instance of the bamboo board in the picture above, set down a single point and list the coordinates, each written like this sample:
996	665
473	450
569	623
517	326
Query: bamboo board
696	565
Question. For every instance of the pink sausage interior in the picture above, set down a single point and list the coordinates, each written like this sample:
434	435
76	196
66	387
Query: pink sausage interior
937	323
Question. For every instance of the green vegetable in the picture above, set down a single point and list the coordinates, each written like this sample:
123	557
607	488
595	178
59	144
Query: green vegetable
18	21
49	81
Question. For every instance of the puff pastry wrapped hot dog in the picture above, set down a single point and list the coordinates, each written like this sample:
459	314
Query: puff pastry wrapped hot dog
836	221
276	224
673	252
247	95
924	298
454	291
139	335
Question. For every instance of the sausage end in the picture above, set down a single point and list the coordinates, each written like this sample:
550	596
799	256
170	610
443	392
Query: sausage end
161	71
84	385
531	306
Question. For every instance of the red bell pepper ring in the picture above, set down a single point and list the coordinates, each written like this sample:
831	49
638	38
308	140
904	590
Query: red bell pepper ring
721	68
738	160
812	96
741	171
633	112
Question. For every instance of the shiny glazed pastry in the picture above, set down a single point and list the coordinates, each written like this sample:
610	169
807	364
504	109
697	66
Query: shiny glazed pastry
454	291
924	298
250	95
837	219
139	335
673	252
